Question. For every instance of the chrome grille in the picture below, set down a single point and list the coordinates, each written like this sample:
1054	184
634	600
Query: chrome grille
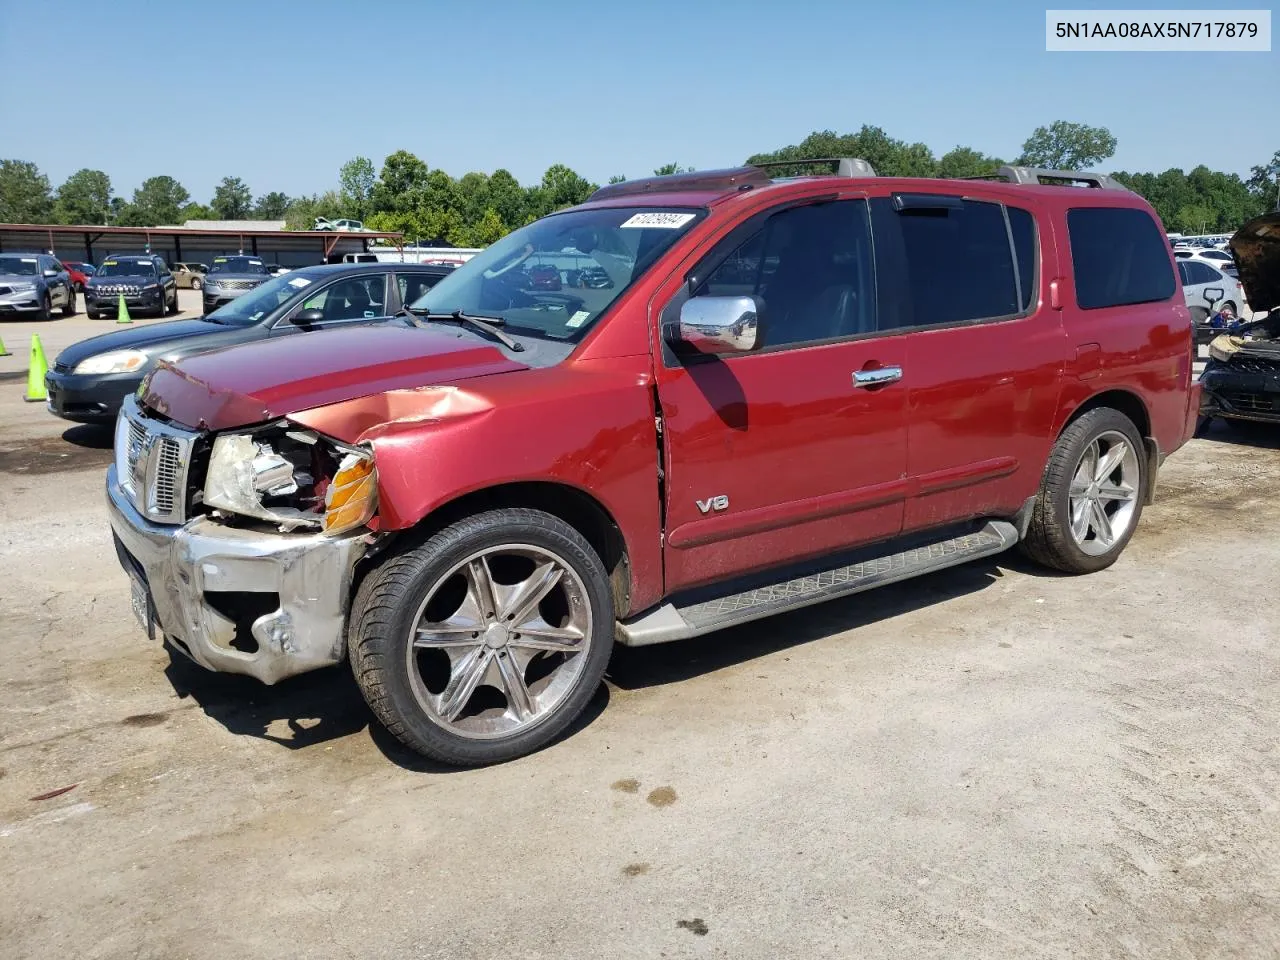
151	463
236	284
128	289
164	490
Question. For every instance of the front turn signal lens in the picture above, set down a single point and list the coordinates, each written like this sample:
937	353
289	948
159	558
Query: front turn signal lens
352	496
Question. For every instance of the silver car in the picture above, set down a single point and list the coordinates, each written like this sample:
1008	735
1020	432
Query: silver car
32	284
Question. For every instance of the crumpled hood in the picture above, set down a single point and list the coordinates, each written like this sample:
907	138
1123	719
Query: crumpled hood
1256	247
262	381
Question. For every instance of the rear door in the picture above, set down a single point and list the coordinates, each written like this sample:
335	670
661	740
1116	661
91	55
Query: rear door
790	452
984	350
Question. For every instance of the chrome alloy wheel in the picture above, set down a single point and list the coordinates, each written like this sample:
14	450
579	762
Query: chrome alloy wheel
1104	493
500	641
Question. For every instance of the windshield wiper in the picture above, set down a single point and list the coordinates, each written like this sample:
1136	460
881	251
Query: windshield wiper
488	324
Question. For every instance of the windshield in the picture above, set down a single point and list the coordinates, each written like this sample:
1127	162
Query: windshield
254	306
127	268
237	265
555	277
20	266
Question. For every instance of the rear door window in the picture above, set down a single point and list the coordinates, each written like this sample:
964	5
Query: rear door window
951	260
1118	257
414	285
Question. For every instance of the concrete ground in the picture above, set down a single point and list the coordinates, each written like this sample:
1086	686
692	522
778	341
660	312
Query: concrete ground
990	762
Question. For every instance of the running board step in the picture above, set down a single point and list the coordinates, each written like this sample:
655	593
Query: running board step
669	622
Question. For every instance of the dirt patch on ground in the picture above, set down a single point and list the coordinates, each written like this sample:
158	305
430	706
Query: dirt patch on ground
50	455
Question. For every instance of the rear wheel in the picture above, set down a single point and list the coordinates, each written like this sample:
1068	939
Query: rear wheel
1091	496
485	642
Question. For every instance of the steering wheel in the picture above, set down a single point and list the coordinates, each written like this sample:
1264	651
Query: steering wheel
520	258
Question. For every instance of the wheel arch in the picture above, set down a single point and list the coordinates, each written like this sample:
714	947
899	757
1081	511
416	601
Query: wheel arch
574	506
1132	406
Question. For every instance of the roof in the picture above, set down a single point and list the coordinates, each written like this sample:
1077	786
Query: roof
252	226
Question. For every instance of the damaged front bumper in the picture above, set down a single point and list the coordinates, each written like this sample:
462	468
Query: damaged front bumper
1241	380
236	600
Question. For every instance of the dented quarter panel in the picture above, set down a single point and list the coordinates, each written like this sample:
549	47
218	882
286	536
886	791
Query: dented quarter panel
587	424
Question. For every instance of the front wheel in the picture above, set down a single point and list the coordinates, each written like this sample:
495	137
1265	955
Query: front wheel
46	308
69	308
485	642
1091	495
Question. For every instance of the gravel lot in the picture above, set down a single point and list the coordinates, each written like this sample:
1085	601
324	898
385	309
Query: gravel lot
990	762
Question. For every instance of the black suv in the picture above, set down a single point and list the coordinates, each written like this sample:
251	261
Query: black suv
144	281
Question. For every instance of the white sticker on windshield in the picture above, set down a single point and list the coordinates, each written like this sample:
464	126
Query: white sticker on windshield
299	282
663	221
578	319
28	259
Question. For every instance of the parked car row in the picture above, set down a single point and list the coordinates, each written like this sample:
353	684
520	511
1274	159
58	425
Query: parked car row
90	379
760	394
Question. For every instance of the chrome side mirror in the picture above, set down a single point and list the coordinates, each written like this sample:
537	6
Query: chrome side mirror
716	325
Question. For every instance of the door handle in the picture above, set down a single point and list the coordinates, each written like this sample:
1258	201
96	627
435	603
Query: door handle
876	378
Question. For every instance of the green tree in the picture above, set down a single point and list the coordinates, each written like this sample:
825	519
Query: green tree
618	178
196	211
1264	184
668	169
232	200
1196	218
24	193
271	206
303	211
85	197
355	180
158	201
560	187
489	229
966	162
401	183
888	156
507	198
1067	146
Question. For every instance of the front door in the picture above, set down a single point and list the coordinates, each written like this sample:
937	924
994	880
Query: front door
797	450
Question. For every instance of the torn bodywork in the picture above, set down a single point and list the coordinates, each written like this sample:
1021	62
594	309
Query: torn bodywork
1241	379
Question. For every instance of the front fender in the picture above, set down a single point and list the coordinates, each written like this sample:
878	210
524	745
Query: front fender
588	425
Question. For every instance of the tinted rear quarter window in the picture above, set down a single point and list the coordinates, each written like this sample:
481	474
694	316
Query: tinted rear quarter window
1118	257
1023	227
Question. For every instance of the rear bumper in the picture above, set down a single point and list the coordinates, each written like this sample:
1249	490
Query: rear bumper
88	398
236	600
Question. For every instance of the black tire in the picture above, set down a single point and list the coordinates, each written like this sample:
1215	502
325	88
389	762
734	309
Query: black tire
70	309
46	308
387	605
92	314
1049	540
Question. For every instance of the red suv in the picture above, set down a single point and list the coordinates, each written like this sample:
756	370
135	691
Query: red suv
790	391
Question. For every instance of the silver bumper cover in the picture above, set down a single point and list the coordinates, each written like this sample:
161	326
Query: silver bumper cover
310	573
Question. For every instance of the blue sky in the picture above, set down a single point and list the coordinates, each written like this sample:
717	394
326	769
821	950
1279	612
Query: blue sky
281	93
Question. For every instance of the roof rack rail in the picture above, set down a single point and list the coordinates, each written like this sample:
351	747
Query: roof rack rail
845	166
1037	175
741	178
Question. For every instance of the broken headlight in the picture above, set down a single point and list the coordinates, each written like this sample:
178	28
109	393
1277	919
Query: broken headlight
291	478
